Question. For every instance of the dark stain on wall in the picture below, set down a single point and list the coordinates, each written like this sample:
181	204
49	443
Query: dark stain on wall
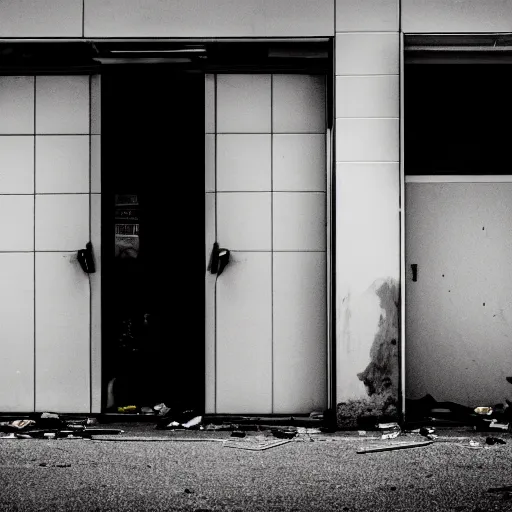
381	376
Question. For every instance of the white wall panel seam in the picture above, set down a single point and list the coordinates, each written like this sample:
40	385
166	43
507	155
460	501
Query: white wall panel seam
272	243
366	118
35	326
377	32
90	230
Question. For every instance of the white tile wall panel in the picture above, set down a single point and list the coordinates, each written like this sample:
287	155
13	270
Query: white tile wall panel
16	104
243	162
33	18
299	221
62	104
62	222
244	335
367	53
95	164
300	330
17	225
367	140
367	96
243	103
298	104
370	15
62	164
244	221
299	162
17	321
62	334
16	165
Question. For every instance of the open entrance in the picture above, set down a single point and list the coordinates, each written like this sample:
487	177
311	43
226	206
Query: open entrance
153	244
458	237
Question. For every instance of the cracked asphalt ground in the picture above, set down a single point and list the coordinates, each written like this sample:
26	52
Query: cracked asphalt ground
318	472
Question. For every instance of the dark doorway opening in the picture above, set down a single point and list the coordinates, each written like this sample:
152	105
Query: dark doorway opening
455	118
153	238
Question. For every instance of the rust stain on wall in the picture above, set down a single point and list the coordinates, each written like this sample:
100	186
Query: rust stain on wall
381	375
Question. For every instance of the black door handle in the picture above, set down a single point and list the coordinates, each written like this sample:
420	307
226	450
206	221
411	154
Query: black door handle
414	268
219	258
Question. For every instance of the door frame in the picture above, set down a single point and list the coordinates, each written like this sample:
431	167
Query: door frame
468	48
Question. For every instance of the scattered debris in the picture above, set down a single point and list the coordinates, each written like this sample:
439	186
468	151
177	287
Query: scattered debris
284	433
127	409
255	444
48	425
494	440
361	432
161	409
317	415
169	419
194	422
428	432
394	446
308	431
484	410
474	444
389	430
238	433
500	426
504	488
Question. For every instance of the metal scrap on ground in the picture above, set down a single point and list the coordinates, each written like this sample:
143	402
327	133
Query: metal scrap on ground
394	446
255	443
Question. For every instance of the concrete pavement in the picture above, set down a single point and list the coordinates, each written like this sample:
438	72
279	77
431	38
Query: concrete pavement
318	472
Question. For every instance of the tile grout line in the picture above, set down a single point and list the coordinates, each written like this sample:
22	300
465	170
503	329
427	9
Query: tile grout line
272	237
215	227
34	269
90	239
270	192
47	134
265	133
49	193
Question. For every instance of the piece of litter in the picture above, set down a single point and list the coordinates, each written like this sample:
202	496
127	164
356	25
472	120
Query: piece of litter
501	426
396	446
389	430
305	430
494	440
391	435
284	433
504	488
483	410
474	444
193	422
255	446
387	426
361	432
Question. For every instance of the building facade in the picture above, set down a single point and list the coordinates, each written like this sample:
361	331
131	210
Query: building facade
296	111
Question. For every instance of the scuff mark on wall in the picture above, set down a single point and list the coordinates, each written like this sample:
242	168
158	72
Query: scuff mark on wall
381	375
